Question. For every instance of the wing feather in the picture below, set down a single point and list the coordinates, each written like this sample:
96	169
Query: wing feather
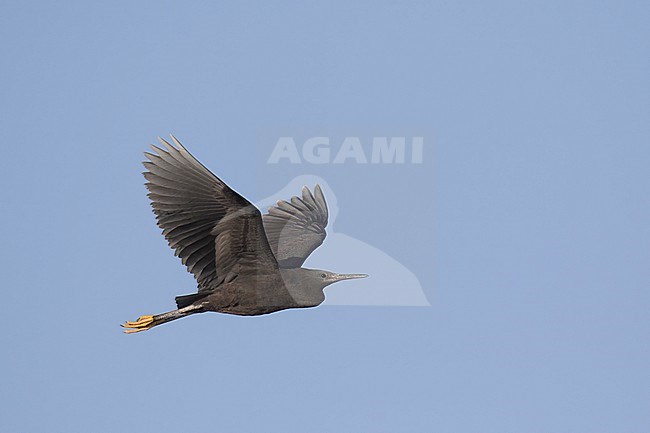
215	231
295	228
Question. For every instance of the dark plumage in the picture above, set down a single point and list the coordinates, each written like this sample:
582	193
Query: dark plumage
244	263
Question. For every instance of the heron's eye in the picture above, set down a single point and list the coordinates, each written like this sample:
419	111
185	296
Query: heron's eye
323	275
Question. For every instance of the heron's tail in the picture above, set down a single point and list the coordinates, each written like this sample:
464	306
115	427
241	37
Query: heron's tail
187	300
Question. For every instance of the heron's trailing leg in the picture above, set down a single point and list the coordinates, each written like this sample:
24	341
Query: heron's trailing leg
147	322
142	324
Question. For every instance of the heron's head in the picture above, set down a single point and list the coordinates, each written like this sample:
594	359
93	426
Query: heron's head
306	285
325	278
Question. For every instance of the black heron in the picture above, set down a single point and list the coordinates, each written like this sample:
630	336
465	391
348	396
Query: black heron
244	263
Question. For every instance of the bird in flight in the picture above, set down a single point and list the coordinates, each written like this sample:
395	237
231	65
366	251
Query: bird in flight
245	263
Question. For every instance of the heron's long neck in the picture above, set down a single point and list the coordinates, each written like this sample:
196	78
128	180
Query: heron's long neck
304	291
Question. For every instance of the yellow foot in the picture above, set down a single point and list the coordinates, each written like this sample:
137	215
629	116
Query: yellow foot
142	324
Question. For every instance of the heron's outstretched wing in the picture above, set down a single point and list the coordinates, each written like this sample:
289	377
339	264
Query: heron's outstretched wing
296	228
216	232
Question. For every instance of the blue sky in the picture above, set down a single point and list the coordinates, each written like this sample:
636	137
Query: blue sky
526	223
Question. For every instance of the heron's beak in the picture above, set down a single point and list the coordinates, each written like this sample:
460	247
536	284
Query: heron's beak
341	277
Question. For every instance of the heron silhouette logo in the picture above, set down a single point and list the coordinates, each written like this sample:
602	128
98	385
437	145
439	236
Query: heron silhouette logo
391	283
245	263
